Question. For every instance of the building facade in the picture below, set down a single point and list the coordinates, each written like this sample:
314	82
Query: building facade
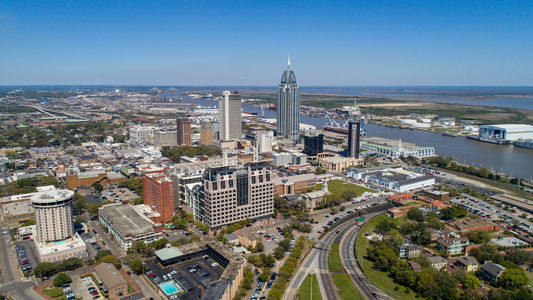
113	281
183	131
264	142
139	133
165	138
313	145
231	194
294	184
206	132
230	116
288	106
158	194
53	215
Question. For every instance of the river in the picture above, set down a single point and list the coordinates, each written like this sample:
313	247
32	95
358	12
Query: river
506	158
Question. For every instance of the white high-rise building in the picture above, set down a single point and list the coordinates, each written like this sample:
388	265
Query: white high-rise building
264	141
53	215
139	133
288	106
230	116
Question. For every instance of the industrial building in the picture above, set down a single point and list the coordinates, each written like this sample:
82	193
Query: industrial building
504	133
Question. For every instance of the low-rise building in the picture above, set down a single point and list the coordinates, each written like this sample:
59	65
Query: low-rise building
16	213
437	195
452	244
113	282
409	251
438	262
415	266
294	184
478	224
467	263
339	163
491	271
232	238
398	181
357	171
127	224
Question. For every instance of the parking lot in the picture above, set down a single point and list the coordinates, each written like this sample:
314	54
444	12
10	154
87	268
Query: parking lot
175	235
80	288
118	194
25	249
189	281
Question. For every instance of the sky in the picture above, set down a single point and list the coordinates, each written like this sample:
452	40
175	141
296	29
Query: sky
247	43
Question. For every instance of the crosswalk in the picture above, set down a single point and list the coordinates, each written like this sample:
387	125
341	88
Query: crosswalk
315	267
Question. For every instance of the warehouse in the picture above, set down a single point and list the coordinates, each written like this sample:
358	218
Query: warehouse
509	132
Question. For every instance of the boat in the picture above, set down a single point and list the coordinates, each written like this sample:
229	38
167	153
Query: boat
249	112
446	133
524	143
337	129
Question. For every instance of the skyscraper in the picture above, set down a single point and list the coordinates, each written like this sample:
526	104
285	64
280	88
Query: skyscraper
354	131
158	194
313	145
288	106
184	131
53	215
206	132
230	116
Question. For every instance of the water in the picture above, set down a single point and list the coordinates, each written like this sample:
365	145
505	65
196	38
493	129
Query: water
60	242
518	161
169	288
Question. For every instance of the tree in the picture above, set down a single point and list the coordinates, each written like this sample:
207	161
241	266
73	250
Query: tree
79	220
259	247
110	259
342	208
385	226
518	257
415	214
266	273
159	243
348	195
476	253
61	279
514	181
302	216
471	281
334	210
513	278
71	263
45	269
102	254
447	213
279	252
136	264
79	204
98	187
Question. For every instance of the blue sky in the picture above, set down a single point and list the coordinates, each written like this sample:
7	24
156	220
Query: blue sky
353	43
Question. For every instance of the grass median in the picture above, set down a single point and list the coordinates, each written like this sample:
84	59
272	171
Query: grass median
335	258
304	293
378	278
345	287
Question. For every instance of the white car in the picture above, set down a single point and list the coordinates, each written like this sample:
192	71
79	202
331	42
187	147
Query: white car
214	264
174	272
165	277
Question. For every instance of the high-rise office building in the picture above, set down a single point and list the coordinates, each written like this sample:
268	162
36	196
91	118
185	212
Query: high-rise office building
288	106
313	145
206	132
354	131
158	194
230	116
184	131
53	215
264	141
230	194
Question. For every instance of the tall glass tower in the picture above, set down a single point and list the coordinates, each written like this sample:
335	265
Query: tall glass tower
288	106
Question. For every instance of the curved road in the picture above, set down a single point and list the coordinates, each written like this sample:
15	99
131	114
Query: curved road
347	249
319	254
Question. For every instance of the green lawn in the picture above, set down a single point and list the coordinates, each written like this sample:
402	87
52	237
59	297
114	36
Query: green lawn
345	287
304	293
131	290
54	293
339	186
379	279
318	187
335	258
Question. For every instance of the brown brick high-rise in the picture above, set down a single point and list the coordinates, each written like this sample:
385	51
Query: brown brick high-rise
184	131
159	196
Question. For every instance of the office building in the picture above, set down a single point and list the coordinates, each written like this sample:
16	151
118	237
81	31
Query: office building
139	133
165	138
313	145
230	116
183	131
113	283
128	224
288	106
354	131
158	195
230	194
293	184
264	141
206	132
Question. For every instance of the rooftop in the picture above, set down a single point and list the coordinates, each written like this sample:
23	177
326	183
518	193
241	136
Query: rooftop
110	276
18	208
127	219
296	178
373	168
51	196
50	248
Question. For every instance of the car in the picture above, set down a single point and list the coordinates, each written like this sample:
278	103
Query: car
94	293
206	275
165	277
169	275
255	295
96	297
174	272
129	273
319	232
92	288
66	289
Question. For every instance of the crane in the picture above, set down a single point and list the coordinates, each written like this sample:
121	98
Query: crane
262	112
345	123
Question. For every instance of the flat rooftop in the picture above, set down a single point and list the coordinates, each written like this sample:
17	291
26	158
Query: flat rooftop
127	219
51	196
74	242
18	208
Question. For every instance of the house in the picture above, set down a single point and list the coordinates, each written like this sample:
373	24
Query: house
438	262
437	234
415	266
467	263
453	245
491	271
232	238
409	251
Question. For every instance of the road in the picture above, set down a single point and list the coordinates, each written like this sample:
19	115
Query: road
349	262
316	261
